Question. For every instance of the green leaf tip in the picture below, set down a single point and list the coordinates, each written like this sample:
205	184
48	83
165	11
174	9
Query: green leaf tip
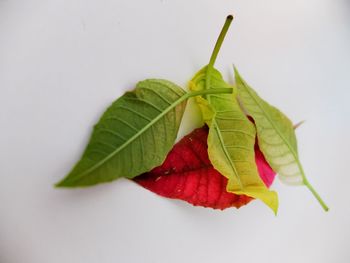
229	17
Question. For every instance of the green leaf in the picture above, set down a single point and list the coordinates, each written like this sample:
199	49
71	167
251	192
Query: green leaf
276	136
231	139
133	136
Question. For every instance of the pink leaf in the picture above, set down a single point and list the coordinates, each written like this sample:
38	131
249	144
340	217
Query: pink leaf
188	175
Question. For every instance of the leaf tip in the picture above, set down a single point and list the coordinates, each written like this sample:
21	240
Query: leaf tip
64	183
229	17
273	202
237	75
297	125
60	184
269	198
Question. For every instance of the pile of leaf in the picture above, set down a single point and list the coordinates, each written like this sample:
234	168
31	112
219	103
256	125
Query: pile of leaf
228	162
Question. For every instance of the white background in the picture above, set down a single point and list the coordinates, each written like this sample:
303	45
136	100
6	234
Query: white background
63	62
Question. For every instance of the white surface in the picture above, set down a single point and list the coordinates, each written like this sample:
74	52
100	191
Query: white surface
63	62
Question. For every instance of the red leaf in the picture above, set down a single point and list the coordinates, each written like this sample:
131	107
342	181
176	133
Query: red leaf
187	174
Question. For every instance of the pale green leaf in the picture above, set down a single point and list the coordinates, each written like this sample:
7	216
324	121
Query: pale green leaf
133	136
231	139
276	136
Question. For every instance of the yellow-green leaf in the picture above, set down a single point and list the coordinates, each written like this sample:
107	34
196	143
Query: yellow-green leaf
276	136
231	138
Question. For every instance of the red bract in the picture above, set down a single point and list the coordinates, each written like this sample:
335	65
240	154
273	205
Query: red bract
187	174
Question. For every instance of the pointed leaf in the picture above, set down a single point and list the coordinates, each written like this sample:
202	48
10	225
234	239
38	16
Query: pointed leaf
133	135
276	136
188	175
231	139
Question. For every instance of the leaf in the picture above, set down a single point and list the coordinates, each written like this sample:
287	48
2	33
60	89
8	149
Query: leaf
276	136
133	136
231	139
188	175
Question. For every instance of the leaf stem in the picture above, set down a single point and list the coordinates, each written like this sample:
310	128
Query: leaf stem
215	52
219	41
208	91
316	195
